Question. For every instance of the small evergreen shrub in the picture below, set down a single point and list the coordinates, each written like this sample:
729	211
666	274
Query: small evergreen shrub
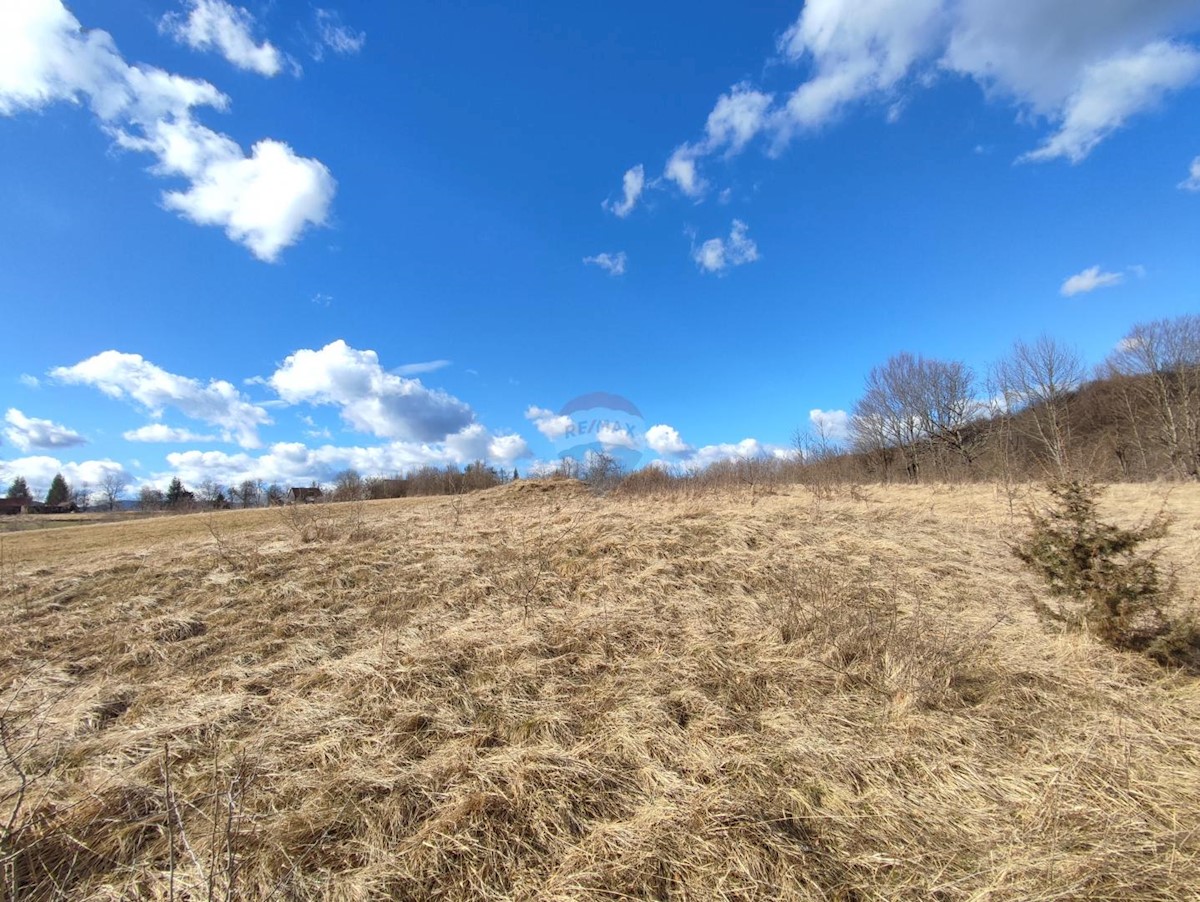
1102	580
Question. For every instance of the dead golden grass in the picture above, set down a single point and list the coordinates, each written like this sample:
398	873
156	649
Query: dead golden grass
535	693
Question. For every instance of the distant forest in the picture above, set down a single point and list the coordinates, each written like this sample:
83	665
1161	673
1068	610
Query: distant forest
1035	414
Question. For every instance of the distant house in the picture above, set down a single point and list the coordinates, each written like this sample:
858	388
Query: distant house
29	506
67	507
309	495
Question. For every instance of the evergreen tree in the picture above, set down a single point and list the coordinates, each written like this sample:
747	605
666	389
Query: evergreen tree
19	490
516	475
175	492
60	492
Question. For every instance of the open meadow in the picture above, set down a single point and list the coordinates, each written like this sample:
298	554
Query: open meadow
535	693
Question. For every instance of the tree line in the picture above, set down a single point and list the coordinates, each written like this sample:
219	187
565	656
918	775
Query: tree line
1035	413
62	494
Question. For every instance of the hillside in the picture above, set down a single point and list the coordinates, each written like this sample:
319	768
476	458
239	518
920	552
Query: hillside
531	692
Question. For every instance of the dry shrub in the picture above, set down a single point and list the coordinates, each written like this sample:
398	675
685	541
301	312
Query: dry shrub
326	522
648	481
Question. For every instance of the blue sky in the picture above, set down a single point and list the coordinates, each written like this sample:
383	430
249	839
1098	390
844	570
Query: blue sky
278	240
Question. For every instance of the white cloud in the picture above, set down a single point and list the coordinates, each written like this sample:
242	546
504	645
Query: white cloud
632	185
265	200
664	439
29	381
39	472
218	25
1115	89
612	436
131	376
550	424
736	119
746	449
833	424
613	264
314	430
855	48
1085	67
475	442
1192	182
370	399
681	169
508	449
1089	280
416	369
295	463
161	433
719	254
336	36
28	433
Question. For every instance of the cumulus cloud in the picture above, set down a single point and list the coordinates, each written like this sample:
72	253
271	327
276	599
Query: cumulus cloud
746	449
508	449
632	185
1089	280
833	424
550	424
1085	68
333	35
298	464
39	471
1192	182
719	254
28	433
370	399
163	434
221	26
664	439
613	436
264	200
29	381
131	376
613	264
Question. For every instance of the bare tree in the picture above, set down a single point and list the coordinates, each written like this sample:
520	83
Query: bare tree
869	437
891	409
81	495
212	493
602	471
919	407
113	486
247	493
950	410
1163	359
1037	382
348	485
151	499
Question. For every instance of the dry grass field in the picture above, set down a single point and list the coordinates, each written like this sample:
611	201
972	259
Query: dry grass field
534	693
